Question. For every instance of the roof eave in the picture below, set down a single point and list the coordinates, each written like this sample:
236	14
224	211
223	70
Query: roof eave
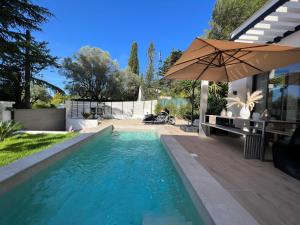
258	16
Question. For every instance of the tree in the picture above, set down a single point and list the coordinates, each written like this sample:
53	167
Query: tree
149	92
21	57
58	98
168	86
19	72
39	93
169	61
133	62
217	91
229	14
88	72
124	85
18	15
150	64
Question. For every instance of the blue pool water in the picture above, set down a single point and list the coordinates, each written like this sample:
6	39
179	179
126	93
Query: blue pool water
119	178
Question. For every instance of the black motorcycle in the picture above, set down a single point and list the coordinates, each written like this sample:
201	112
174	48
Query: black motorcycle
161	118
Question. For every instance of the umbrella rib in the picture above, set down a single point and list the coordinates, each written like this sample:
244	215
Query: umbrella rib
199	48
236	52
208	44
213	65
203	71
200	62
232	60
225	68
198	58
242	61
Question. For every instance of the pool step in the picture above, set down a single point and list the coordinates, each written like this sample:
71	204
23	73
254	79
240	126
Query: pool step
152	219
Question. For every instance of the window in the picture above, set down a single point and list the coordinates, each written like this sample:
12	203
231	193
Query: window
281	90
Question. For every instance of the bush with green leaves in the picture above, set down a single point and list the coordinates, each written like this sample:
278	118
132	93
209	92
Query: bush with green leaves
183	110
86	115
173	110
42	105
7	128
158	108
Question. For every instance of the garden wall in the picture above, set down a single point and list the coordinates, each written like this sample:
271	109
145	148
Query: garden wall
41	119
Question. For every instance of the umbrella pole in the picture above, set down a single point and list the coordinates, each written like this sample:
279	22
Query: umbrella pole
193	101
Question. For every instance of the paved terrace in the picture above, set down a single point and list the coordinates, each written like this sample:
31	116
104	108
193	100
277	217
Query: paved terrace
270	196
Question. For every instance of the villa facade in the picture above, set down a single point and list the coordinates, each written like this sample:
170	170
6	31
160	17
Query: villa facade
277	22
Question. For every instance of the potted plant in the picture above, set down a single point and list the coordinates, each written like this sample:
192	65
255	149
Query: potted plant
246	107
86	115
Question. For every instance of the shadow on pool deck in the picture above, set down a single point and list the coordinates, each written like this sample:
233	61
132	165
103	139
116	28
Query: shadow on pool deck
271	196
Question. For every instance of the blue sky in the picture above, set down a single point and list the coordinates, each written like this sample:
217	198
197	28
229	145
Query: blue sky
113	25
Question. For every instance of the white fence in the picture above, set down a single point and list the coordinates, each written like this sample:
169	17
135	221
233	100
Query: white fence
118	110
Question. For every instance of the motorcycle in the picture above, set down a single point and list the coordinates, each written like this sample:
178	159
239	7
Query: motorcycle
161	118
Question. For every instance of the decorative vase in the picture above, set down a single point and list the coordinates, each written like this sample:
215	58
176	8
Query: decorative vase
245	112
229	113
223	112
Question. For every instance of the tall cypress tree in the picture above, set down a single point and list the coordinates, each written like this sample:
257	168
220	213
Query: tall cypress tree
133	62
150	67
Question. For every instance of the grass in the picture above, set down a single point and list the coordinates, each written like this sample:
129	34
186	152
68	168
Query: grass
21	145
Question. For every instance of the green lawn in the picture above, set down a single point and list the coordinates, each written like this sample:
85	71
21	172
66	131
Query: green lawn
21	145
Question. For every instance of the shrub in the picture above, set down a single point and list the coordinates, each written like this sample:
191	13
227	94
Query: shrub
42	105
183	110
86	115
7	128
215	105
172	108
158	108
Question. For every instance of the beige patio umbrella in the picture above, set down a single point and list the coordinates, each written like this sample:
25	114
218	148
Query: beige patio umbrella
224	61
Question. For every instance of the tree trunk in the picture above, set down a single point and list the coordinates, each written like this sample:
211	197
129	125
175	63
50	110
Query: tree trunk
27	71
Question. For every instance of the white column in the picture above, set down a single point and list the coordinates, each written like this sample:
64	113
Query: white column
203	106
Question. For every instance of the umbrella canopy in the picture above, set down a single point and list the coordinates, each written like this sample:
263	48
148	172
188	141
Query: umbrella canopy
224	61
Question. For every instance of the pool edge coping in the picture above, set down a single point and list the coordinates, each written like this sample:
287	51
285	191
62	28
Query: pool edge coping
213	201
9	173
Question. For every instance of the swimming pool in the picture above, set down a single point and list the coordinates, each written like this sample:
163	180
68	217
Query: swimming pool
116	178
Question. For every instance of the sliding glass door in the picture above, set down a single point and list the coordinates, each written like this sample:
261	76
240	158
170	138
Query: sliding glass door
284	94
281	90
